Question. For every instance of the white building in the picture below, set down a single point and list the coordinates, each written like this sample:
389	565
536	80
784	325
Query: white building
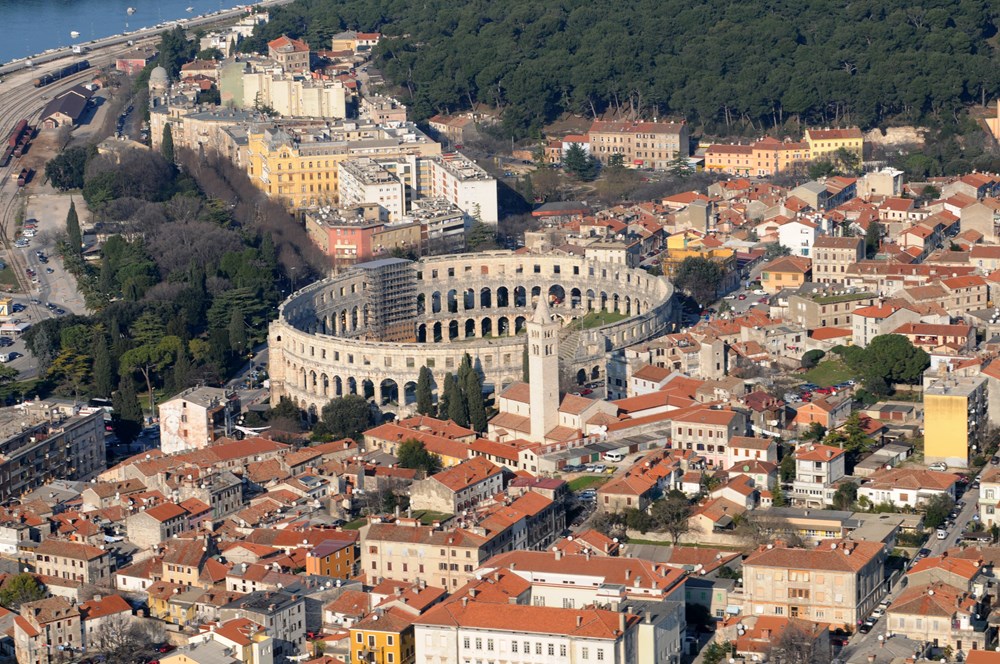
196	418
467	631
798	235
363	181
907	487
817	467
460	180
295	96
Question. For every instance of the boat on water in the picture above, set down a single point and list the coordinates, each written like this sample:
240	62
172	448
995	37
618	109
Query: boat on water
189	9
130	11
74	34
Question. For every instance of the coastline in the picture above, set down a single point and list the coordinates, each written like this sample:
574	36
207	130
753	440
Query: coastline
202	20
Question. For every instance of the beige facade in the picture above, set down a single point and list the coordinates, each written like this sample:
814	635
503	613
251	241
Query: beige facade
295	96
196	418
831	256
813	308
46	630
839	582
318	351
74	562
645	144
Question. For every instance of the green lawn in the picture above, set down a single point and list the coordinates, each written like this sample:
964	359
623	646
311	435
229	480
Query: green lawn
597	319
587	482
8	280
356	524
428	517
827	373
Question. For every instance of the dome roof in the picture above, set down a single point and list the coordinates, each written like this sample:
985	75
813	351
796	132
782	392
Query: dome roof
158	76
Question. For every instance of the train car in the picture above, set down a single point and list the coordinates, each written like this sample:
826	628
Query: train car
68	70
23	177
15	134
5	156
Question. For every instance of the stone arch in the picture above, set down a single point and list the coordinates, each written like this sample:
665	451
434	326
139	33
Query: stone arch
503	297
485	298
581	376
421	303
367	388
338	386
519	324
312	412
422	333
536	292
595	373
604	301
313	387
469	299
637	307
575	298
453	330
324	382
628	305
616	302
520	296
343	321
503	326
436	302
389	390
470	328
437	336
409	393
355	318
486	327
352	385
453	301
556	294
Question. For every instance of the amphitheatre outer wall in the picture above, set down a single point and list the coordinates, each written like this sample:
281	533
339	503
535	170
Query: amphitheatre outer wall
466	303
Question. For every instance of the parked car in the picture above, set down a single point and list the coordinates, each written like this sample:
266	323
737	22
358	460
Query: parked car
939	466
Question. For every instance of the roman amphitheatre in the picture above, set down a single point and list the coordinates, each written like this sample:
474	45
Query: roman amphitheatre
369	329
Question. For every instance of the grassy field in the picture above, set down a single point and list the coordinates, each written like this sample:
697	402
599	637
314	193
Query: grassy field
8	280
597	319
428	517
356	524
587	482
827	373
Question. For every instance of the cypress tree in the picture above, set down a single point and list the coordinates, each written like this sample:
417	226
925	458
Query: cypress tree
474	397
425	398
237	332
73	235
167	144
128	413
525	365
106	278
444	397
458	410
103	371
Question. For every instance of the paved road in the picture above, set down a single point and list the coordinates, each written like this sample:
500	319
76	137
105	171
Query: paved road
861	645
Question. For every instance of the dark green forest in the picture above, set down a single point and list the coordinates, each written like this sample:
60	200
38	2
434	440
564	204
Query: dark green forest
729	66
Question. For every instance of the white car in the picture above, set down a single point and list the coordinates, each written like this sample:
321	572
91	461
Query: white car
939	466
759	291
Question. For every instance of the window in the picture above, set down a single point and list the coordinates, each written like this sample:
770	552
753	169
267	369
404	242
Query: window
479	644
513	646
562	650
600	654
552	649
585	653
538	648
489	644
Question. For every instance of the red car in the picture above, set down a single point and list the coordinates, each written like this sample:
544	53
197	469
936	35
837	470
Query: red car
742	296
166	647
586	391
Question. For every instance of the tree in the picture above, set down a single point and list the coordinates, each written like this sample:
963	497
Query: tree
425	396
873	238
481	236
237	332
348	416
798	645
458	411
122	639
167	144
65	170
845	495
636	519
778	497
149	359
72	367
473	392
815	431
700	277
894	359
812	358
671	515
413	454
937	509
20	589
616	161
73	235
128	418
579	163
525	365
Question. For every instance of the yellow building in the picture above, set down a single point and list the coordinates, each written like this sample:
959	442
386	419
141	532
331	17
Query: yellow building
826	141
301	168
955	420
785	272
691	245
172	603
384	637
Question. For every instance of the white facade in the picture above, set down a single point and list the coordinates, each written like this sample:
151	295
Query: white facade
461	181
543	370
295	96
900	496
798	237
363	181
816	470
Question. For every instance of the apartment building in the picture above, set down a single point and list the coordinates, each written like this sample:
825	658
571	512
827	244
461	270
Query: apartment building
825	143
294	96
153	526
815	306
909	487
785	272
461	487
644	144
817	469
878	319
45	630
465	630
197	417
363	181
290	54
838	582
408	551
763	158
707	432
281	614
832	256
955	419
989	496
73	561
941	614
460	181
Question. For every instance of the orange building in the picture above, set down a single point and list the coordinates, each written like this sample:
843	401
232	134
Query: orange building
765	157
335	558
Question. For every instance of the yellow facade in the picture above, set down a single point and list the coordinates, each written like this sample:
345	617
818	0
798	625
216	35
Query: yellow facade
338	564
305	175
370	646
946	428
673	258
824	142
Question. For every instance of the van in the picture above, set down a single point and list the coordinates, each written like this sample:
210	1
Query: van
6	357
614	457
942	534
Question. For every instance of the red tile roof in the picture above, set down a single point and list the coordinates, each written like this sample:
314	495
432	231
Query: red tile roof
522	619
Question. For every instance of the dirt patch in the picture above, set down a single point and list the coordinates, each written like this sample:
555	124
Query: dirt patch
571	124
897	136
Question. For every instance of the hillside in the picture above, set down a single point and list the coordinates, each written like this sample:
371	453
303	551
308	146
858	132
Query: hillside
727	65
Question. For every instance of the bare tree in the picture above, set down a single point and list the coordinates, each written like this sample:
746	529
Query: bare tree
123	638
758	528
801	643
